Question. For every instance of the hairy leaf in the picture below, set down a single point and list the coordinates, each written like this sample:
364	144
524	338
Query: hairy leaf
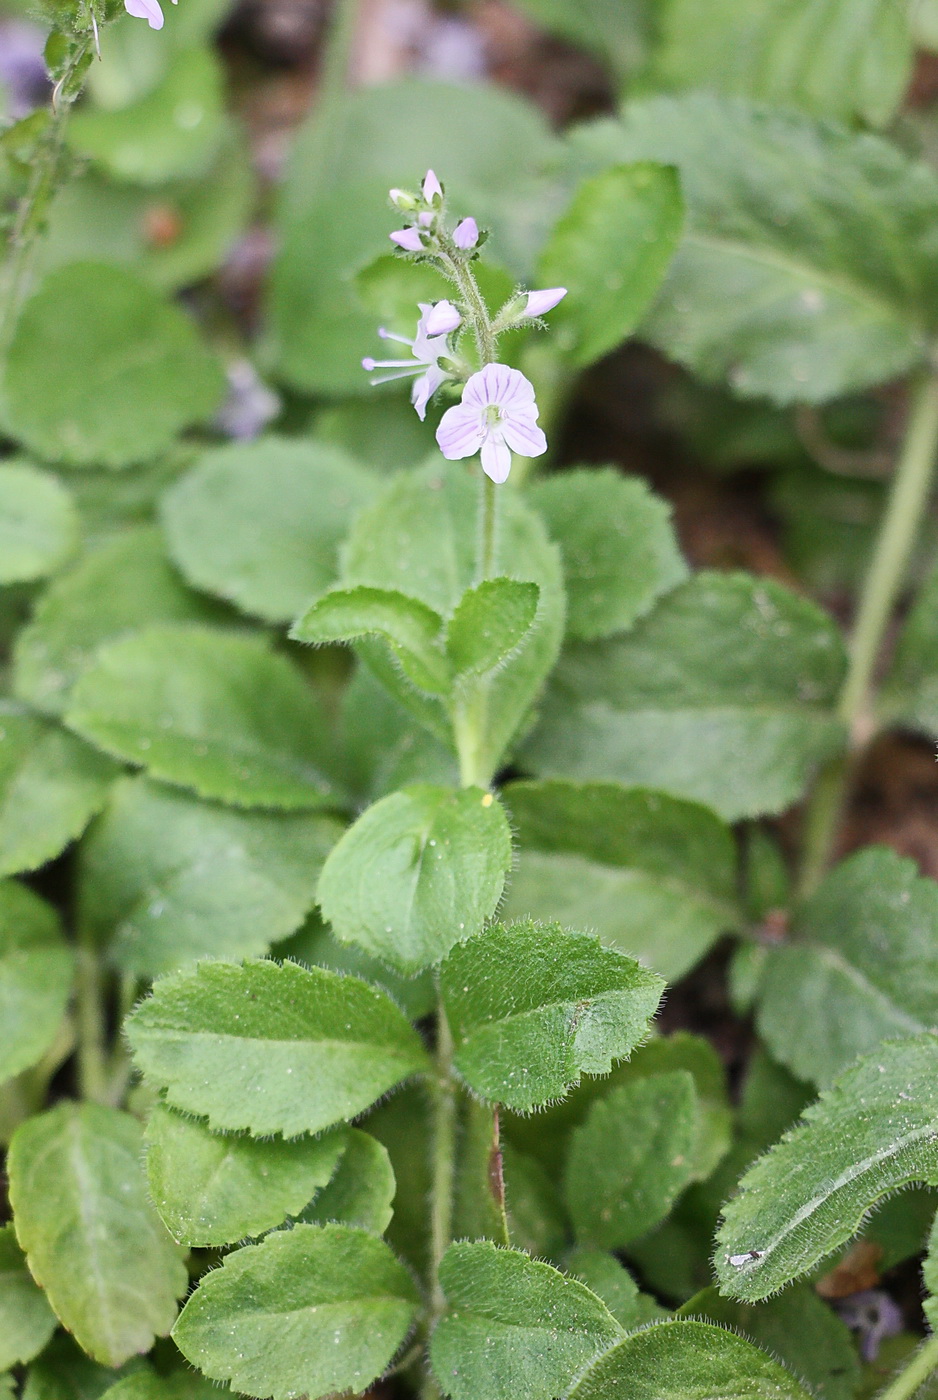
361	1191
631	1158
490	621
64	1372
611	248
612	1282
676	1359
260	523
117	588
213	1190
165	878
420	536
51	785
204	709
26	1320
93	1241
272	1049
147	1385
808	268
315	945
874	1131
420	871
533	1006
412	630
728	674
96	324
35	977
516	1329
311	1311
862	966
38	525
930	1277
618	546
653	875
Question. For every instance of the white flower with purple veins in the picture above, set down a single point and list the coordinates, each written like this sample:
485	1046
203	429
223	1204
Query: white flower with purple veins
497	416
429	344
148	10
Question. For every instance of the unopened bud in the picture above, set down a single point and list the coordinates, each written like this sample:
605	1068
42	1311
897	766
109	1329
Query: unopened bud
407	238
431	188
403	200
539	303
466	234
442	319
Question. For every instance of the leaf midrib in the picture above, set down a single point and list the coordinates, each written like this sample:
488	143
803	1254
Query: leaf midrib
836	960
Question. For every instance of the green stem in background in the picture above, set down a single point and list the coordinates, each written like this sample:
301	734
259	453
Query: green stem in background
93	1078
321	166
923	1364
897	535
44	179
443	1172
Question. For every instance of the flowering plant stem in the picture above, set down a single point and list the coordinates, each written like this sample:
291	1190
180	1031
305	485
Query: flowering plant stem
897	536
923	1364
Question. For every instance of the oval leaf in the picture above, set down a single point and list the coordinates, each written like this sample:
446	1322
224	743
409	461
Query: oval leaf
272	1049
490	621
38	524
26	1320
419	871
874	1131
35	977
533	1006
212	711
516	1329
361	1192
312	1311
411	629
93	1241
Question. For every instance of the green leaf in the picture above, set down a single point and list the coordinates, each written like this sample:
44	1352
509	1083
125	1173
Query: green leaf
311	1311
96	324
653	875
803	1332
418	872
165	879
212	1190
412	630
51	785
38	525
516	1329
219	713
315	945
910	692
93	1241
612	1282
272	1049
260	523
835	58
533	1006
26	1320
384	746
117	588
874	1131
611	248
618	546
173	130
489	623
631	1158
420	536
35	977
930	1277
862	966
729	673
808	268
676	1359
361	1192
619	31
146	1385
63	1372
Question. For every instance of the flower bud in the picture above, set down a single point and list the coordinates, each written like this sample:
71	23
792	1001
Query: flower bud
407	238
431	188
403	200
442	319
539	303
466	234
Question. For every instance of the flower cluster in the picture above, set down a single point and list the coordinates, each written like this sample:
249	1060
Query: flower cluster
497	414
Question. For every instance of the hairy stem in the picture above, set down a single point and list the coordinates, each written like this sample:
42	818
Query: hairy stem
443	1173
923	1364
897	536
45	176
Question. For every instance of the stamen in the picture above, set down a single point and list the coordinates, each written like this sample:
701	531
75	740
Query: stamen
390	335
401	374
369	364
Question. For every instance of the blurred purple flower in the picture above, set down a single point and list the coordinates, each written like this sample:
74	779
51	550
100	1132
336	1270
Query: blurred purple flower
22	68
874	1315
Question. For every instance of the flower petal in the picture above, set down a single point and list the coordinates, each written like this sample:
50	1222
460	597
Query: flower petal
496	458
523	435
407	238
466	234
431	186
424	388
146	9
539	303
441	319
461	432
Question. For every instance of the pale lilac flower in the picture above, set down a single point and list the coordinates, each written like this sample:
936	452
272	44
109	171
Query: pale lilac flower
146	9
426	350
442	318
407	238
539	303
497	416
466	234
431	186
